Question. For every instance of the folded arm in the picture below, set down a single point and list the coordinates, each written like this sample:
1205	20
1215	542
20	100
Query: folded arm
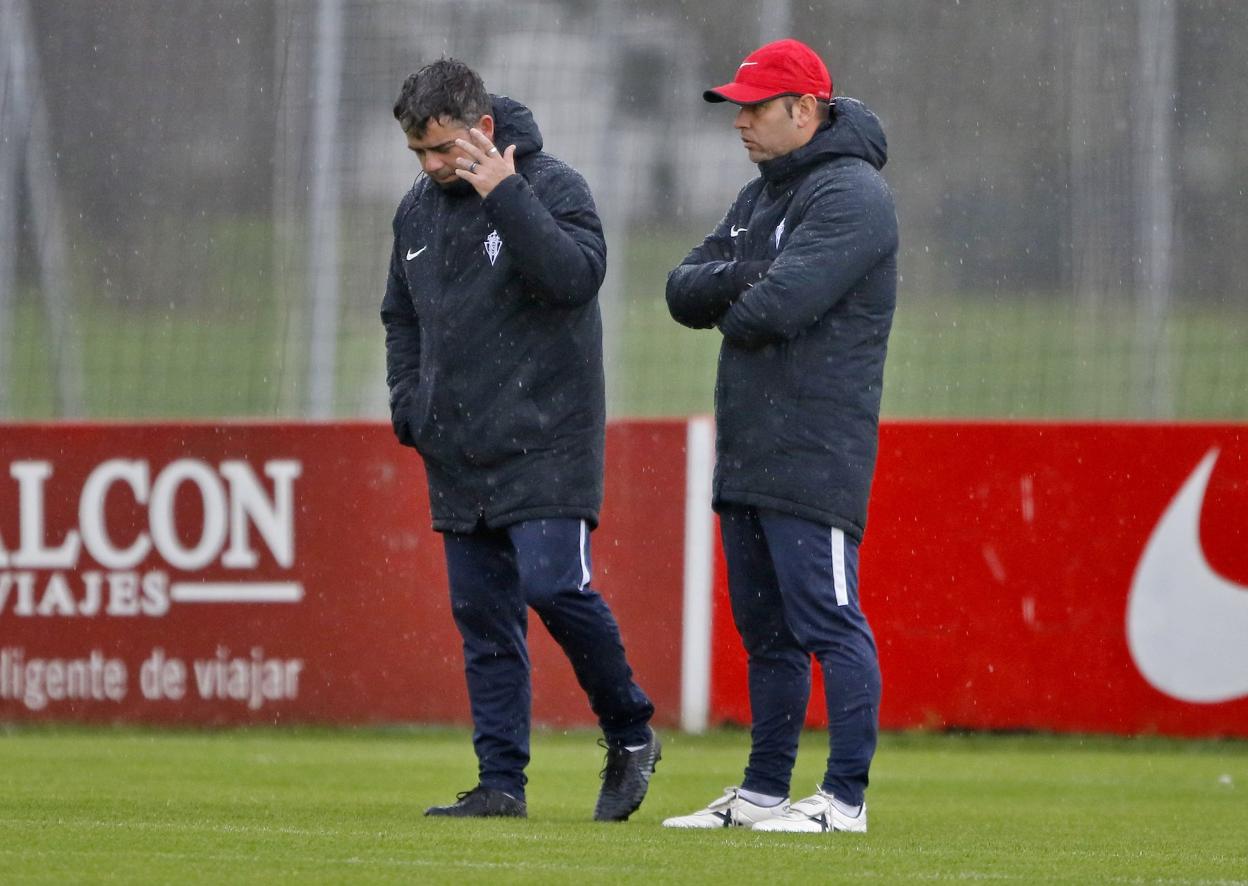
848	227
709	280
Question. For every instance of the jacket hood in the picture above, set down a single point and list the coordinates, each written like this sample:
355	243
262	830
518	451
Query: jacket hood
855	131
514	125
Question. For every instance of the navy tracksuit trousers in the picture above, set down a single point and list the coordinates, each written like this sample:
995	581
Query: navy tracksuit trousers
794	590
495	575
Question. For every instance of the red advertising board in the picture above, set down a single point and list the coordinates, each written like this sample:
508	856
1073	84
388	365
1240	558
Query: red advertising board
1088	578
1071	577
250	573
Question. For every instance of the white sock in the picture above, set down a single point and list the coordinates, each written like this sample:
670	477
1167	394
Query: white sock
846	809
760	799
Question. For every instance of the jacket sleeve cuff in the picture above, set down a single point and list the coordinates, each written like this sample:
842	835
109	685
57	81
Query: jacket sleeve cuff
502	202
746	273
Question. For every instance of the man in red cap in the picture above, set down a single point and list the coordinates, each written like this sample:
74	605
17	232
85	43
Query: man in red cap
800	278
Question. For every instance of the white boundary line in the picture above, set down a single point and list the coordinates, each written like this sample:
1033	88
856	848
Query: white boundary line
695	665
236	592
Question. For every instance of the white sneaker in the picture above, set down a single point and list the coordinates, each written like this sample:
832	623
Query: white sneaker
816	815
729	811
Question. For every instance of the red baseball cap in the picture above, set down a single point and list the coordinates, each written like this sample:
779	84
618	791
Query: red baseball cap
786	67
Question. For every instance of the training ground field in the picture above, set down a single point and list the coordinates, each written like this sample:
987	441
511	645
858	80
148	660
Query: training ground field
267	806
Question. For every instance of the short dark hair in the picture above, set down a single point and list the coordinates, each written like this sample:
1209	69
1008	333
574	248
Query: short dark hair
441	89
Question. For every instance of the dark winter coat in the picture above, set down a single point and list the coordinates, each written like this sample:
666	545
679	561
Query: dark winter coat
494	339
801	279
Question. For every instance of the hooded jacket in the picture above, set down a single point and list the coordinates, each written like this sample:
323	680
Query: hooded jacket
801	279
494	339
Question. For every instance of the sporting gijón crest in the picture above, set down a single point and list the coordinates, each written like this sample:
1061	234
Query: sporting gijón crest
493	246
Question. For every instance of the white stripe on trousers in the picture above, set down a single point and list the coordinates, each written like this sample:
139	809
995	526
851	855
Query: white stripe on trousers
584	556
838	567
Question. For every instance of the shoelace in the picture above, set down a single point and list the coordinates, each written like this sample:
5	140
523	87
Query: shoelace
614	765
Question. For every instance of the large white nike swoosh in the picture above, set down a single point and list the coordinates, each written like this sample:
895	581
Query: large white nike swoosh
1187	626
411	255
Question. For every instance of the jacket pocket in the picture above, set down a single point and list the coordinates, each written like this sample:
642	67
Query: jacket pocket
515	429
400	407
415	424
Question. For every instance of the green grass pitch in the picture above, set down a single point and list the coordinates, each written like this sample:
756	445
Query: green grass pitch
309	806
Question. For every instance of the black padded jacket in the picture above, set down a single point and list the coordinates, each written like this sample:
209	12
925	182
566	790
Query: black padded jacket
494	339
800	277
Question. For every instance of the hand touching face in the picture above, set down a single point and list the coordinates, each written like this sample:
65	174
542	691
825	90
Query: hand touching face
482	165
448	150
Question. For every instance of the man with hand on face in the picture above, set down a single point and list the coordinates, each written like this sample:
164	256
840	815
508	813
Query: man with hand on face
494	363
800	278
